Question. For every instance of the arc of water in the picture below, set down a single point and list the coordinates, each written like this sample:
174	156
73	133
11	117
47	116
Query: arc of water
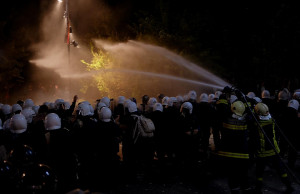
183	62
163	76
171	77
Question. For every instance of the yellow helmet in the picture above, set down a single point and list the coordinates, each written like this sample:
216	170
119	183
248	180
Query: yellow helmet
261	109
238	108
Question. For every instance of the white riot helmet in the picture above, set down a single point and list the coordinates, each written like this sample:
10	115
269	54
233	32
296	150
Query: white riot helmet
83	109
126	103
294	104
28	103
100	105
265	94
121	100
91	110
187	105
185	97
158	107
15	108
89	105
192	95
28	114
203	97
132	107
211	98
284	94
52	121
233	98
257	99
6	109
46	103
58	102
151	102
165	100
171	101
18	124
105	114
179	99
218	94
67	105
106	101
6	125
296	95
251	95
36	108
51	106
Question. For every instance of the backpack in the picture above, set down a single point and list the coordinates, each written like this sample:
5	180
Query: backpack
144	127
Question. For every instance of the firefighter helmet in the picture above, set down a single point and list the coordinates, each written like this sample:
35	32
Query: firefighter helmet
238	108
261	109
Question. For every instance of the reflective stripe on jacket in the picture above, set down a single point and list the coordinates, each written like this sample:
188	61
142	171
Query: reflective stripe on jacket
234	139
264	148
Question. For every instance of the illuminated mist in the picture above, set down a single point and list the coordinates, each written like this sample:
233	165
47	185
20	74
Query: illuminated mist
131	68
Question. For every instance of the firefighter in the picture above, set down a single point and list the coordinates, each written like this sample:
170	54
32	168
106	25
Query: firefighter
233	149
266	147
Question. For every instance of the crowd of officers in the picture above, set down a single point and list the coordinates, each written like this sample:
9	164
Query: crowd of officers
60	146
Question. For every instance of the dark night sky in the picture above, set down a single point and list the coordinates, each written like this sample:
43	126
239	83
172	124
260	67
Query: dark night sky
246	43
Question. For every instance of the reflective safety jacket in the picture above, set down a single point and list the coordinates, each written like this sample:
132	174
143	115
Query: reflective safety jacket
263	146
222	101
234	139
